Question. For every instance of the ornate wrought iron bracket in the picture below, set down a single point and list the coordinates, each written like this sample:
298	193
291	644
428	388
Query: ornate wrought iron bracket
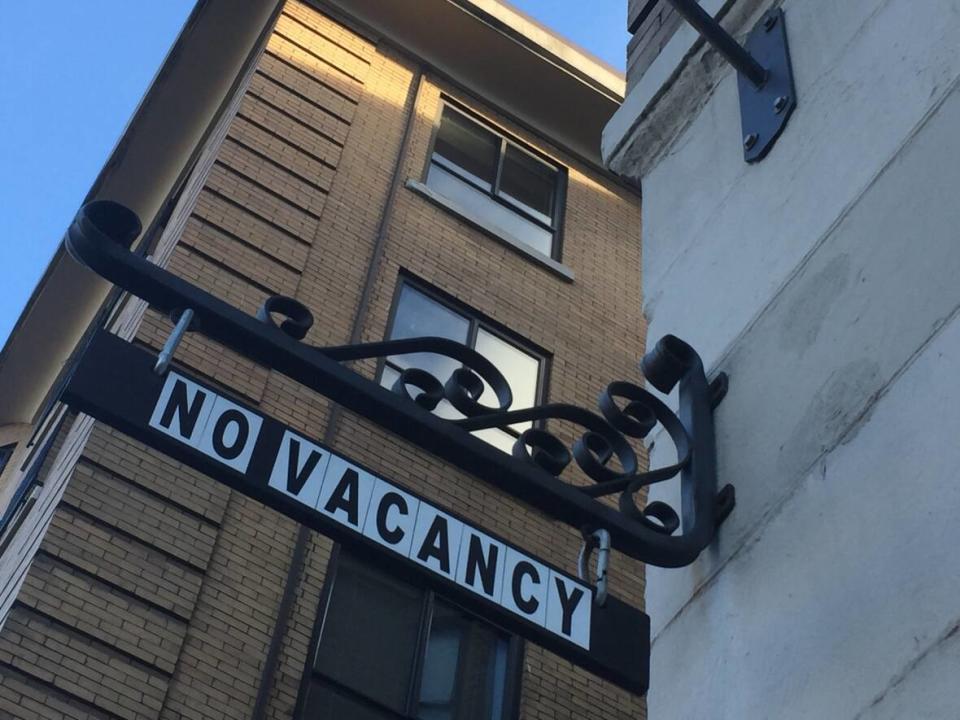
100	237
765	74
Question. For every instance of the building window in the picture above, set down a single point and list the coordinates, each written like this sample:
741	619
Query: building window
390	650
418	314
510	187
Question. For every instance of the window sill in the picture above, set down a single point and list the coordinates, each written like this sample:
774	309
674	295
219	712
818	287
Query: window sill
491	230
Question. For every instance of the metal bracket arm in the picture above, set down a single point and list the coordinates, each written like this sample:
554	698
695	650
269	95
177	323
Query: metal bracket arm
100	238
765	74
722	41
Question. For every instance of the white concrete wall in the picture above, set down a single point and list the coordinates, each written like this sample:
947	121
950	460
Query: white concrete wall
826	281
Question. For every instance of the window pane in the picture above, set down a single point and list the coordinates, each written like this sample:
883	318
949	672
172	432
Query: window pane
389	376
519	368
464	670
369	636
498	438
498	686
325	703
419	316
437	689
480	694
468	146
489	212
530	183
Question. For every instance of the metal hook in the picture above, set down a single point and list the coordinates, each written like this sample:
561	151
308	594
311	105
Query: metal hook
597	539
170	346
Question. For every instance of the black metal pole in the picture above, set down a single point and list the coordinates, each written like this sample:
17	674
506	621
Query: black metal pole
734	53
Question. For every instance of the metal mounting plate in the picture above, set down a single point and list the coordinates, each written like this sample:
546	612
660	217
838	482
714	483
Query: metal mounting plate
764	111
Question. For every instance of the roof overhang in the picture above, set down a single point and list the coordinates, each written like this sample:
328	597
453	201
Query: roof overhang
508	59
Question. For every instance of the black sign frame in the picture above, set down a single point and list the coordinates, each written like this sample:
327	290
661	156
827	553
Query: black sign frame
115	383
100	238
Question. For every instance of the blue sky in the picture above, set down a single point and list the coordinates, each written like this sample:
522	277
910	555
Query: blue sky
72	73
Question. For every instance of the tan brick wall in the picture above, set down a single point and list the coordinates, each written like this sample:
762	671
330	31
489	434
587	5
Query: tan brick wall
156	590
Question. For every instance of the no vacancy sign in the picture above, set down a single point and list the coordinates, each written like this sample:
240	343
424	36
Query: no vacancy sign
386	523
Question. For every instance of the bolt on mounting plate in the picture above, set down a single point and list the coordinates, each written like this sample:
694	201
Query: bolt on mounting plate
764	110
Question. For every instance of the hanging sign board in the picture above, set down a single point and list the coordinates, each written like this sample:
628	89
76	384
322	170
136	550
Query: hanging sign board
386	523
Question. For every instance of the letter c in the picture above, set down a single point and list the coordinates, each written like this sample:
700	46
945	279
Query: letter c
390	499
526	605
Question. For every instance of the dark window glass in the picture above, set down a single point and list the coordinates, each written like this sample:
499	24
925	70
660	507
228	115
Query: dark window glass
323	701
417	314
494	179
369	636
463	671
389	650
469	147
529	183
438	685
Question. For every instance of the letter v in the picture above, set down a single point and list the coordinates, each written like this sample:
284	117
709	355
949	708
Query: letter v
296	476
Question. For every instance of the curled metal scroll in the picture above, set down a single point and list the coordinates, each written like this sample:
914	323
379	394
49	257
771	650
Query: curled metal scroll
626	411
100	238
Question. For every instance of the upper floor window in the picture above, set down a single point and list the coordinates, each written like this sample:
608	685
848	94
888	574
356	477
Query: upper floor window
510	187
418	314
389	650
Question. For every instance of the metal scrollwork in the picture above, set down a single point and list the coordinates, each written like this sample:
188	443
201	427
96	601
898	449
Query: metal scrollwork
100	237
626	411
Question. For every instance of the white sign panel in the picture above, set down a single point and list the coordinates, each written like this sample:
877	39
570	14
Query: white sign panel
379	510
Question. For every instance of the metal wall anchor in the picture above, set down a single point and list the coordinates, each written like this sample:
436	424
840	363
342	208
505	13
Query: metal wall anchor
764	71
170	346
597	539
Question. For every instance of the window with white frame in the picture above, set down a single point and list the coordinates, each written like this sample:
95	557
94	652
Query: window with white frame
511	187
419	313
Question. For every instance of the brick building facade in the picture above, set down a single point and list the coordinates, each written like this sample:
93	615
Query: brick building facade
136	588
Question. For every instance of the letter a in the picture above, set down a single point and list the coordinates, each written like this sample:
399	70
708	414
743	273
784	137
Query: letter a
346	497
436	544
